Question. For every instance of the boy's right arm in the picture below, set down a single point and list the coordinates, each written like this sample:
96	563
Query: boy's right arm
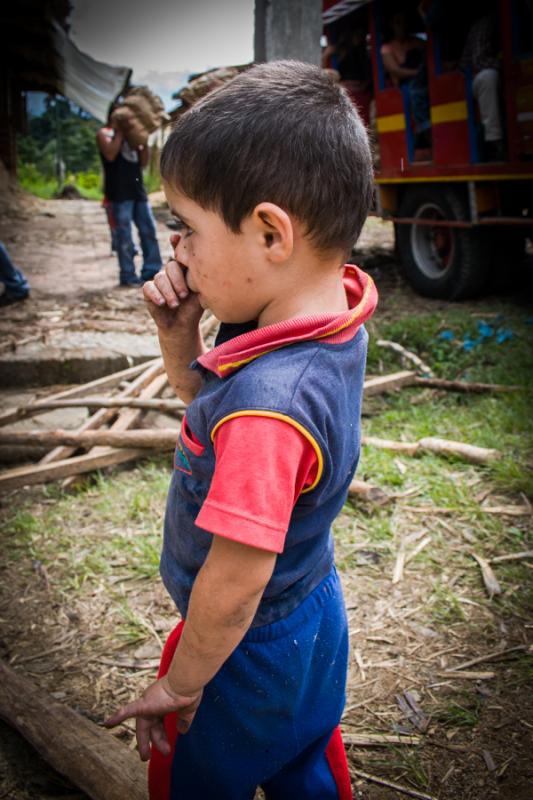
177	312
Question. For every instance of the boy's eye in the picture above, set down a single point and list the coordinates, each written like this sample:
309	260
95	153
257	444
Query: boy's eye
183	229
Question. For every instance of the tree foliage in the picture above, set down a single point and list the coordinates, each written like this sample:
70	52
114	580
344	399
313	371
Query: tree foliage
63	132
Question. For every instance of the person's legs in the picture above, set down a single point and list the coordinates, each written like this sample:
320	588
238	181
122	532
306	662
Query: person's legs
313	775
267	716
418	93
144	220
17	287
112	224
485	88
123	214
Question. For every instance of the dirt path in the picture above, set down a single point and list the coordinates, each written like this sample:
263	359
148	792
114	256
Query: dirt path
63	247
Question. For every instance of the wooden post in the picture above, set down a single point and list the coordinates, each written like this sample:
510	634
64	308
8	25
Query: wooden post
87	755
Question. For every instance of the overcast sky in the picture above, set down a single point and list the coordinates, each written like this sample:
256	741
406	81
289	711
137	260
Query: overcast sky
164	37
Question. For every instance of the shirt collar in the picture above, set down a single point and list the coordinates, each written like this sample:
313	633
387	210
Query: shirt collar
333	328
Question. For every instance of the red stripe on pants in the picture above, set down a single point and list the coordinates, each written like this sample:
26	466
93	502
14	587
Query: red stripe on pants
160	766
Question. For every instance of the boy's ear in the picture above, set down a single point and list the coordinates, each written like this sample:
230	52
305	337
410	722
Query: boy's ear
275	229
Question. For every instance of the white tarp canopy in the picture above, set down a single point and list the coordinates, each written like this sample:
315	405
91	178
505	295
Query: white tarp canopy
90	84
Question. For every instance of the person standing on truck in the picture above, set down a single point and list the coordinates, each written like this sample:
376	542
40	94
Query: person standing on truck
480	57
404	59
350	57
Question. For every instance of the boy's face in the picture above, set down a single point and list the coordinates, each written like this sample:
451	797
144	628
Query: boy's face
227	270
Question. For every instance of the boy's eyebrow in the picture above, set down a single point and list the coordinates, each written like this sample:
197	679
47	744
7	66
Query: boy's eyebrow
178	215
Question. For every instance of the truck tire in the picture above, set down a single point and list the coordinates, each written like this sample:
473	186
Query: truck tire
443	262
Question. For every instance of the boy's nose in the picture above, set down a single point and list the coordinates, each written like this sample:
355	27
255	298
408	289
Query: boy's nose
180	251
174	240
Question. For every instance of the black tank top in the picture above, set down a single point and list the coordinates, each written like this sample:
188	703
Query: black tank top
123	179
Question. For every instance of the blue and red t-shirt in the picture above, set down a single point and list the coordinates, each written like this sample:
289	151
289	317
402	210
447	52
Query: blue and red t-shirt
268	448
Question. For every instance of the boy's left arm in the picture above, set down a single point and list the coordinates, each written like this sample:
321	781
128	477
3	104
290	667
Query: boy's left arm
224	600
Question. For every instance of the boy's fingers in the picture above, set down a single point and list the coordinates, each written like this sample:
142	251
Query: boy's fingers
163	284
177	278
126	712
159	738
142	730
152	294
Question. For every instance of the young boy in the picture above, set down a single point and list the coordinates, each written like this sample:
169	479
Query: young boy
270	178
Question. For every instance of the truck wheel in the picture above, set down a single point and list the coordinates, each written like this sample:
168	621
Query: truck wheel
439	261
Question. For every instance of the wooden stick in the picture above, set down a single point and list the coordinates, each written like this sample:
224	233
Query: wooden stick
399	564
509	511
128	417
391	785
86	754
406	354
464	386
368	492
77	465
386	383
12	344
409	448
512	557
432	444
166	406
468	452
487	657
19	412
378	739
101	417
467	676
418	549
155	438
489	578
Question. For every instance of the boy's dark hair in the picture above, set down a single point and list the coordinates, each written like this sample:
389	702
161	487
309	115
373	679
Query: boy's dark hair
282	132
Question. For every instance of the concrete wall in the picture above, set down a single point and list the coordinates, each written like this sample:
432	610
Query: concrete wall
288	29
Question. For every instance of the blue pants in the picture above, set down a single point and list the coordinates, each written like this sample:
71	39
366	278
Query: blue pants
12	277
139	212
418	92
268	715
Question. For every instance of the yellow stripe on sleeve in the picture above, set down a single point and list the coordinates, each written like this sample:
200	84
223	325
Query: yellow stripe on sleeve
285	418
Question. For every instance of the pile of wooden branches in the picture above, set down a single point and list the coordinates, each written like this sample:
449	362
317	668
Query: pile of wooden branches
113	433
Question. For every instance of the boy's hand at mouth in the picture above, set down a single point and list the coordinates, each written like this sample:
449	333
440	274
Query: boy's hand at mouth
170	301
176	310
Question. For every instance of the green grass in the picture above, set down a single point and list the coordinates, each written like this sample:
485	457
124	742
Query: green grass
80	538
444	606
110	529
507	362
89	184
152	181
460	711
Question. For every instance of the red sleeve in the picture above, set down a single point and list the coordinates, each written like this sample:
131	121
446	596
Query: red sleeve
262	465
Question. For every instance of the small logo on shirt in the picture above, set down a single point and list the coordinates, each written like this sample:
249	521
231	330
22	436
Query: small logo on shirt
181	461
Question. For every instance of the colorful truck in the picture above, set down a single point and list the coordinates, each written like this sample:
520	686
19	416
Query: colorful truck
462	222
